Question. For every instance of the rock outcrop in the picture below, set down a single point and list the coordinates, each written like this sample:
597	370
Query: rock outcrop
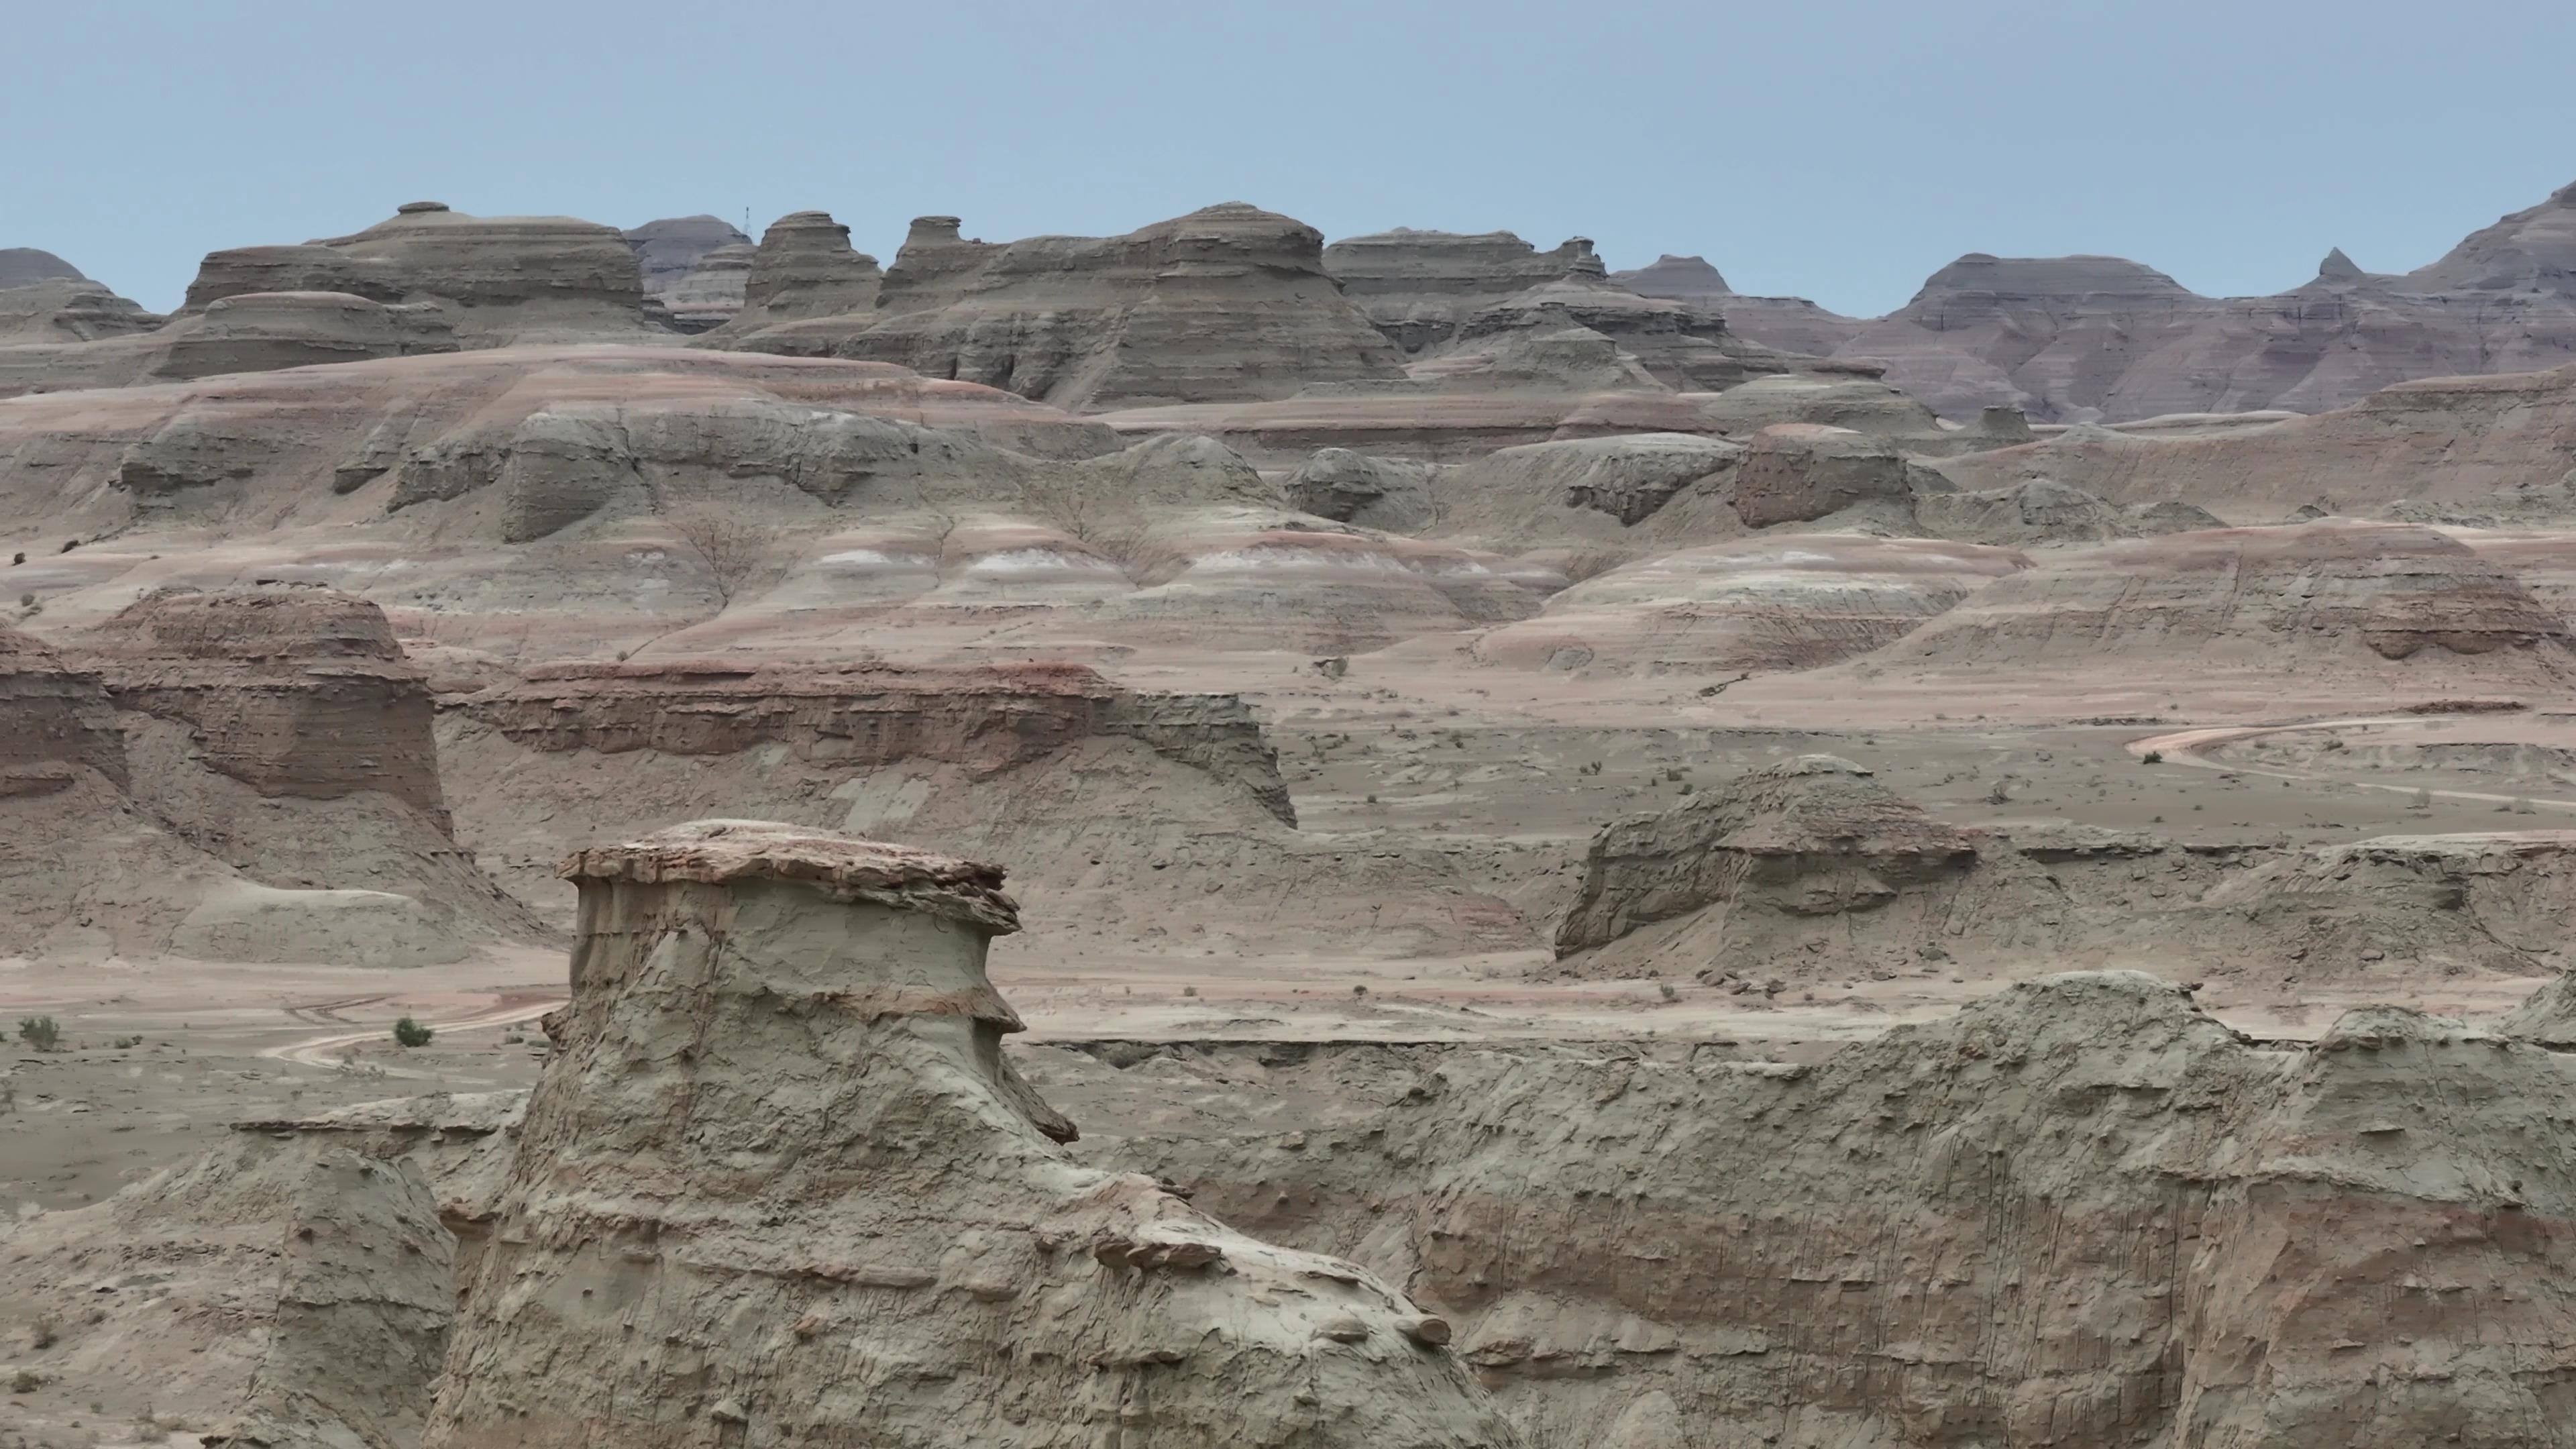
805	270
26	266
1387	493
984	720
59	311
2437	443
2040	512
501	279
1228	302
283	1294
1417	287
1667	488
1792	324
291	691
785	1043
1813	836
1678	344
2080	1211
1751	605
670	254
249	332
243	776
2319	598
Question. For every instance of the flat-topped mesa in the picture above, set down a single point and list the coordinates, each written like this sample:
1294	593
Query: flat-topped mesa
292	691
805	269
508	278
1417	286
779	1131
1683	345
1226	303
984	719
60	721
1978	285
1684	279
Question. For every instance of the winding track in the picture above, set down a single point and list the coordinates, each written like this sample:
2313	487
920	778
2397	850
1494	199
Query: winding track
320	1051
2186	747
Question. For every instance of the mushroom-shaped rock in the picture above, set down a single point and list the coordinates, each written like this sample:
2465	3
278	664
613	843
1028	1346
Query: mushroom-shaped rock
780	1184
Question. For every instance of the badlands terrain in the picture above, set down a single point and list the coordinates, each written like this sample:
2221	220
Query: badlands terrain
1220	836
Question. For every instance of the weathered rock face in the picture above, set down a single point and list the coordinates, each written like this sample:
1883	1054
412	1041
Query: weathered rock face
2456	440
260	446
1791	324
669	254
1797	473
1665	487
987	720
505	279
1228	302
2307	598
710	293
2078	1212
1678	343
62	310
1388	493
2529	251
765	1017
296	691
2043	512
1775	602
59	721
806	270
250	332
294	1293
1813	836
1418	286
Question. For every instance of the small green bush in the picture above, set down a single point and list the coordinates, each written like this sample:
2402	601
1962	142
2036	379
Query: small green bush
2153	757
409	1033
41	1032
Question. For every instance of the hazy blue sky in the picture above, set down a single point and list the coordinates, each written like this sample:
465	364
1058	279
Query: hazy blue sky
1835	150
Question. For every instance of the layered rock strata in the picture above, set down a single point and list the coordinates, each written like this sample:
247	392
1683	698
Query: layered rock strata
985	720
785	1045
503	279
1228	302
2310	598
1417	287
805	270
2080	1211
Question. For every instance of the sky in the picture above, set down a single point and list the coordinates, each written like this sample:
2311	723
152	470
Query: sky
1834	149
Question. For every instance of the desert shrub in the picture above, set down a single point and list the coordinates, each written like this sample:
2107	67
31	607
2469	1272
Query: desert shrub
410	1033
41	1032
2153	757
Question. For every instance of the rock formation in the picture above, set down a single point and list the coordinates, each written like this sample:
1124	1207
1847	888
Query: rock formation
63	310
2040	511
256	447
26	266
1228	302
290	691
2437	442
1389	493
284	1294
1418	286
984	720
1665	487
502	279
2080	1211
250	332
236	776
1812	836
1679	344
710	293
1777	602
2318	598
670	254
805	270
1792	324
785	1043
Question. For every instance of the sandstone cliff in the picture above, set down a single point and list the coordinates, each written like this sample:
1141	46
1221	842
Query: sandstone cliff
785	1044
671	254
2078	1212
